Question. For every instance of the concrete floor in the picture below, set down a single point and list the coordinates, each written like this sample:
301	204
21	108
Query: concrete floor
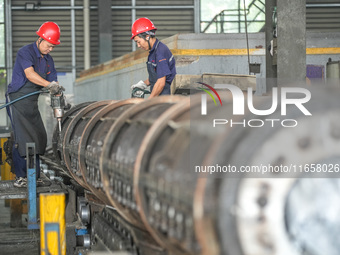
18	240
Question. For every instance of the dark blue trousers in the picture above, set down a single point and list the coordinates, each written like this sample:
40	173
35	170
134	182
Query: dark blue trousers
20	166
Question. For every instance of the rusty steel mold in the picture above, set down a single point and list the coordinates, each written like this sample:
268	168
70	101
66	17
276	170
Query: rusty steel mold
119	152
137	155
73	136
91	144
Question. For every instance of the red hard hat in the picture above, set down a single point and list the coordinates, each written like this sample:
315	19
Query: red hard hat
50	31
141	25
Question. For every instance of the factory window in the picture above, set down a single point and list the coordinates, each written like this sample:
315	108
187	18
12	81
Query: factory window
229	16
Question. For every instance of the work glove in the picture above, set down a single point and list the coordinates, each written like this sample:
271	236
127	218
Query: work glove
140	85
55	88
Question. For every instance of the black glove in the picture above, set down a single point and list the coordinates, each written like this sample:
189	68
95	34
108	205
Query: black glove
55	88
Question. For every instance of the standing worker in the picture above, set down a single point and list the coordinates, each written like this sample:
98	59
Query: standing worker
33	70
161	63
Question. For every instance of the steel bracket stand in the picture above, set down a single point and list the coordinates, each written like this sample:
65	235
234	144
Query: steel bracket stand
31	186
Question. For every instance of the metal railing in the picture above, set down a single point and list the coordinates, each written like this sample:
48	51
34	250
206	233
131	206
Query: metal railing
233	20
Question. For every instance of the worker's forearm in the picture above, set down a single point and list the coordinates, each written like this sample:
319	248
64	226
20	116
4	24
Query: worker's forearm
147	82
158	88
35	78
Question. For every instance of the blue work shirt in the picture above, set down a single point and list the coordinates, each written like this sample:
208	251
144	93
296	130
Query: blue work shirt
28	56
165	61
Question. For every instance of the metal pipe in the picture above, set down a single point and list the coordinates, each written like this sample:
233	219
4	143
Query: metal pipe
52	8
197	17
73	42
112	7
8	47
154	7
133	17
86	18
8	31
322	5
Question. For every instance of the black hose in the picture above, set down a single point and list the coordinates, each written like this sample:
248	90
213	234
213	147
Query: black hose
28	95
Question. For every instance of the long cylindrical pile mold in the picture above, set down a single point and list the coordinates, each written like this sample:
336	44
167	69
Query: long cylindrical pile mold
141	157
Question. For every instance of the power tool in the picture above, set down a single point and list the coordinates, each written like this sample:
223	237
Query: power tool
58	104
139	93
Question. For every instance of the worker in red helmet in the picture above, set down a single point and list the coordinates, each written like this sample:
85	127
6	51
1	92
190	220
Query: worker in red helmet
161	63
33	70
